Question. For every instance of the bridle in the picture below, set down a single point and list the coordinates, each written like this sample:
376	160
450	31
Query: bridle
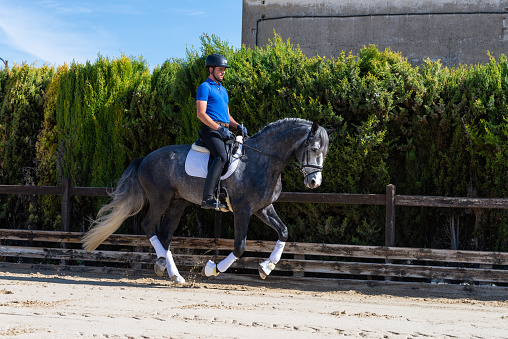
306	144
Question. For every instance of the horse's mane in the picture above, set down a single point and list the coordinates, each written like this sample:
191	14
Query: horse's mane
290	121
293	123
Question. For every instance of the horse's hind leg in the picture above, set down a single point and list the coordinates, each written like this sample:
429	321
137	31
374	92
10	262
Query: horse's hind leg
270	217
157	206
166	229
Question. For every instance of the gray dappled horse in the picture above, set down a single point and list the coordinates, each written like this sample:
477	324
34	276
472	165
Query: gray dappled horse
160	179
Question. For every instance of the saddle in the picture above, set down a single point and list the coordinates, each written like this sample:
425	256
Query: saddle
199	160
232	147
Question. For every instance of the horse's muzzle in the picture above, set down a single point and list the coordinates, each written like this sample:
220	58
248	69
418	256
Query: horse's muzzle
313	181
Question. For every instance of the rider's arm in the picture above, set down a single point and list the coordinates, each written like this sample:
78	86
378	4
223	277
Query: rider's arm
232	122
205	118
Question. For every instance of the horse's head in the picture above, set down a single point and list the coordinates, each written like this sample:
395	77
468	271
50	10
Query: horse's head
311	155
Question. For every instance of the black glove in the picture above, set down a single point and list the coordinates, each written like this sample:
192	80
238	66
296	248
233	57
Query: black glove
225	133
242	129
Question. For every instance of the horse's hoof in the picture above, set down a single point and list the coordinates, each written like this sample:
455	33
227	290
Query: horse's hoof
265	268
210	269
160	266
262	273
178	279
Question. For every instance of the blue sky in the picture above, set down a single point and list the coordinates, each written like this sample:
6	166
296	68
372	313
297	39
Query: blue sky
54	32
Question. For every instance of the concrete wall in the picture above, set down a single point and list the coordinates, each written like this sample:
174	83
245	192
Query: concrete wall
456	32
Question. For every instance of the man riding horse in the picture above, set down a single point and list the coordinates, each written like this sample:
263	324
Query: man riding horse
213	110
159	180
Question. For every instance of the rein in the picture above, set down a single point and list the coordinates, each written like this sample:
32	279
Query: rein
294	165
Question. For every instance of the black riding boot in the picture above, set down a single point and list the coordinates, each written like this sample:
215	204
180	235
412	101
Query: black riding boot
211	181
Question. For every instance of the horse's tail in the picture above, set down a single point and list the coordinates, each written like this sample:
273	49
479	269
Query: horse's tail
128	200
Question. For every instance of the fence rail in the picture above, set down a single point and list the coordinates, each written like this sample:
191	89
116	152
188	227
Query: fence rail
390	200
349	260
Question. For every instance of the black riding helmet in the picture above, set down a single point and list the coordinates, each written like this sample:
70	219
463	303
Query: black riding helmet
216	60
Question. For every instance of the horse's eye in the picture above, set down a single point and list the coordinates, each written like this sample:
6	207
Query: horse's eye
314	149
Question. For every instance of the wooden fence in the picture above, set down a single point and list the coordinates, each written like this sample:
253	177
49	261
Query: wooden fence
342	261
390	200
300	259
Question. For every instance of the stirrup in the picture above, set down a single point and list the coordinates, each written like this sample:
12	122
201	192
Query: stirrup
212	204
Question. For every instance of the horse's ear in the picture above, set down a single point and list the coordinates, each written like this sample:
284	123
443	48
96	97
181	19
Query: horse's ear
315	126
330	130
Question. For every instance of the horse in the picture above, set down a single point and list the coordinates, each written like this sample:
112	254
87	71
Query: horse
160	181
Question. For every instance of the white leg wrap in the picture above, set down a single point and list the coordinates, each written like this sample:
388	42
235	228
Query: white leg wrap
161	252
227	262
277	252
170	264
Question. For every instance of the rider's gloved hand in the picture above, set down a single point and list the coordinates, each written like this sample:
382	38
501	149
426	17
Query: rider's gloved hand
242	129
225	133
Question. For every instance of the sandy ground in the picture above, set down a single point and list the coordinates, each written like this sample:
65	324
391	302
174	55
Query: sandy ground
56	305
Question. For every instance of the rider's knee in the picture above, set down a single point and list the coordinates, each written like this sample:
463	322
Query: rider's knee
223	160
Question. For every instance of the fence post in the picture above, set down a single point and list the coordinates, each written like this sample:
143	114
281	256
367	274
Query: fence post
390	216
66	212
66	205
390	221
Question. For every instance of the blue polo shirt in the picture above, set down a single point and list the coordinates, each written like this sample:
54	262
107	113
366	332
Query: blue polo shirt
217	100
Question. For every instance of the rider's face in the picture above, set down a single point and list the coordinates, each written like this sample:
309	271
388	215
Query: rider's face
219	73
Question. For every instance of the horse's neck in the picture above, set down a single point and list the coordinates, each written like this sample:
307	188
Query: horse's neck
282	142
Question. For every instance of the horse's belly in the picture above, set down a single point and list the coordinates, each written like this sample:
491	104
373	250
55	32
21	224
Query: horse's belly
190	189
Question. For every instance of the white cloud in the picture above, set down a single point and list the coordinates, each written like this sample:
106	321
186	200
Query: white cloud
50	31
59	8
185	11
58	31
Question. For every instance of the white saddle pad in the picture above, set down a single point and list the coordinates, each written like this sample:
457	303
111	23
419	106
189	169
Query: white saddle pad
196	163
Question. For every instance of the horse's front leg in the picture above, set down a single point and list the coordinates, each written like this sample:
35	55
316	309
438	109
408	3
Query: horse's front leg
270	217
242	217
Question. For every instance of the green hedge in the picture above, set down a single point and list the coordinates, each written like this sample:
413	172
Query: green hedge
22	97
429	130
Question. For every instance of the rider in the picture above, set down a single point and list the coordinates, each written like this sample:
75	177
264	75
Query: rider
213	110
